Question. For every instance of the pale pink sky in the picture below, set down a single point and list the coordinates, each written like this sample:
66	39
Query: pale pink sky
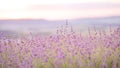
58	9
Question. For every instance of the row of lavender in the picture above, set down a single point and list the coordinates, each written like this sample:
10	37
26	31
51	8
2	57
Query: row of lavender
63	50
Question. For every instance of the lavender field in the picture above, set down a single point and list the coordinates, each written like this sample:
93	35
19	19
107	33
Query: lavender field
59	33
64	49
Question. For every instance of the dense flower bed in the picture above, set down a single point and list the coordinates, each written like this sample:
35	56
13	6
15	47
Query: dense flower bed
62	50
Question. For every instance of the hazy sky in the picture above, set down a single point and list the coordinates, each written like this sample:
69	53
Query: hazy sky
58	9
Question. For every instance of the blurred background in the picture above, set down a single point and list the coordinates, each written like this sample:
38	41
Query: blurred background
20	17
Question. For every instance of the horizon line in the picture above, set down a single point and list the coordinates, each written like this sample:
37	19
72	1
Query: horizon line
58	19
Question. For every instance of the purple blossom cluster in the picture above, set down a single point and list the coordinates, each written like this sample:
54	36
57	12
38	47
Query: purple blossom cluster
65	49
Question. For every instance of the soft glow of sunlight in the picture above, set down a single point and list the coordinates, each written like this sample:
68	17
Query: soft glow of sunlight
12	4
15	9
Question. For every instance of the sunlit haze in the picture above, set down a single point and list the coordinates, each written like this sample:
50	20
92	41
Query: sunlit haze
58	9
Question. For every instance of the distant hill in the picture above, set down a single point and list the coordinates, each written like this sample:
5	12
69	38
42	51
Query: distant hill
46	27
